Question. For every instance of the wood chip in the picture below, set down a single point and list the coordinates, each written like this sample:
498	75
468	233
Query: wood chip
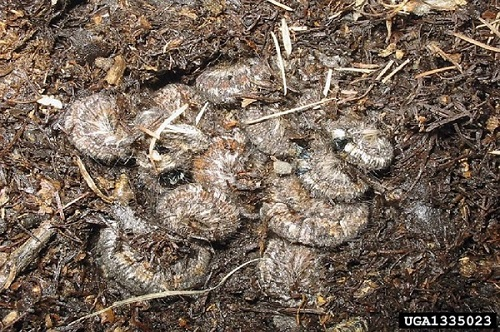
50	101
115	73
20	258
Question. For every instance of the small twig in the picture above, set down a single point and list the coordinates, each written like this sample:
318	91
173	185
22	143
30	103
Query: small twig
147	131
200	114
60	208
434	71
434	48
492	22
160	129
165	294
281	64
355	70
477	43
388	77
67	205
276	3
328	82
285	35
13	141
298	28
25	254
365	65
384	70
490	26
90	182
293	110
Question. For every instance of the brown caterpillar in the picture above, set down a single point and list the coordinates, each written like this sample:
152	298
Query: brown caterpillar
228	84
128	261
289	272
176	148
191	211
271	136
220	165
296	217
322	173
361	144
168	99
93	126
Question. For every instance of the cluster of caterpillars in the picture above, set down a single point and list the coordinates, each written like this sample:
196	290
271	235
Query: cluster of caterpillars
313	204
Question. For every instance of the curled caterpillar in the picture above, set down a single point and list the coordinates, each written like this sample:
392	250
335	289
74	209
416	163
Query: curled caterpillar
289	272
322	173
271	136
168	99
294	216
192	211
93	126
228	84
361	144
125	256
221	164
177	146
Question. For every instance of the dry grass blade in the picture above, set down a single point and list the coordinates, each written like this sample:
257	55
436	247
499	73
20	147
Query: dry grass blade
276	3
160	129
328	82
281	64
200	114
293	110
165	294
355	70
285	35
477	43
490	26
398	68
434	71
90	182
384	70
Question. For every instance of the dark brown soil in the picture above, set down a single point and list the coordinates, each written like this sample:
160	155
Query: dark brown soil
433	238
